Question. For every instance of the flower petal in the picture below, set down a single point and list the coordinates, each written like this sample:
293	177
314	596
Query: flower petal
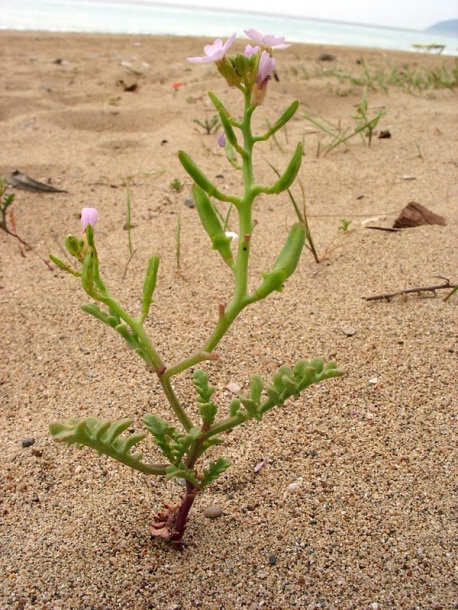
249	50
89	216
214	51
268	40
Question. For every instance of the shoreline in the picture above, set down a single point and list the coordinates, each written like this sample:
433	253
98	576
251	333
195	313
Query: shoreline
302	30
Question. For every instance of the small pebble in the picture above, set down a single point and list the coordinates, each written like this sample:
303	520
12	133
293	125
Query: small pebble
213	512
189	202
28	442
234	388
272	560
348	330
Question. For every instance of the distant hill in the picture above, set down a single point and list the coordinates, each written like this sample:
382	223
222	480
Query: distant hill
445	28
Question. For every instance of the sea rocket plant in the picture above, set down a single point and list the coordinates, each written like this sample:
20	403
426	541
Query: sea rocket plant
184	441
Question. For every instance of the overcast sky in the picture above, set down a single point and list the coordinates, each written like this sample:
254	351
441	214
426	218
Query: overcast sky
410	14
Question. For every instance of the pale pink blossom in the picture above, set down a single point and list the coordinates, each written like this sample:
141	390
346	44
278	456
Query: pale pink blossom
267	40
249	50
266	67
215	51
89	216
222	139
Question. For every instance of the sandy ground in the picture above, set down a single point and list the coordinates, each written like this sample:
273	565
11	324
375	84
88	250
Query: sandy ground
371	520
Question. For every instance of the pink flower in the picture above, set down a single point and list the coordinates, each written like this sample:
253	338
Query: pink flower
89	216
249	50
222	139
266	67
215	51
267	40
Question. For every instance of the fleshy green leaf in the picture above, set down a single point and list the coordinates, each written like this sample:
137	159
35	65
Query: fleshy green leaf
208	409
105	437
182	473
214	470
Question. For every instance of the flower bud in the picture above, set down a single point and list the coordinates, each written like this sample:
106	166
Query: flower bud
89	216
242	64
228	72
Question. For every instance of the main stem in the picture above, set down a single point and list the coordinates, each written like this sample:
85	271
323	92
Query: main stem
240	298
227	316
182	516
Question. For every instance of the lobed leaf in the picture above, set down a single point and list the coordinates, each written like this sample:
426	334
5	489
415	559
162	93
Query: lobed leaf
105	437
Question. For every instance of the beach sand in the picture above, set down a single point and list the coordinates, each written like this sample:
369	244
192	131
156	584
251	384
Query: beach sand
355	506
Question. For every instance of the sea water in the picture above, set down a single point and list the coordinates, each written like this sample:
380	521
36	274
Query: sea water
118	16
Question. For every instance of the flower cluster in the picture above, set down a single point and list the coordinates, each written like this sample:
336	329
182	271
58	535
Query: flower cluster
250	70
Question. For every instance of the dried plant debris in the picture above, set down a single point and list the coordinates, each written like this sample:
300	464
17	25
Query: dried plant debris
414	215
20	180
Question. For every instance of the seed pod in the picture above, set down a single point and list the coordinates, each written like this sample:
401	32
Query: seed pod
196	174
149	285
95	311
212	225
273	280
290	255
286	262
232	156
289	175
87	272
285	117
230	135
217	103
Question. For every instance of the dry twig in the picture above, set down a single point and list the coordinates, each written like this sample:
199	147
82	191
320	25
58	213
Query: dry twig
446	285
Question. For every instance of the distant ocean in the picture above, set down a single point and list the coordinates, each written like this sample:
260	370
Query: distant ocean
124	17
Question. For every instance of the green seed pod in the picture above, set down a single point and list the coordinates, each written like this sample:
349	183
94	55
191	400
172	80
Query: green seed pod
232	156
64	266
217	103
87	272
95	311
285	117
149	285
212	225
290	174
286	262
196	174
90	235
273	280
230	135
290	255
